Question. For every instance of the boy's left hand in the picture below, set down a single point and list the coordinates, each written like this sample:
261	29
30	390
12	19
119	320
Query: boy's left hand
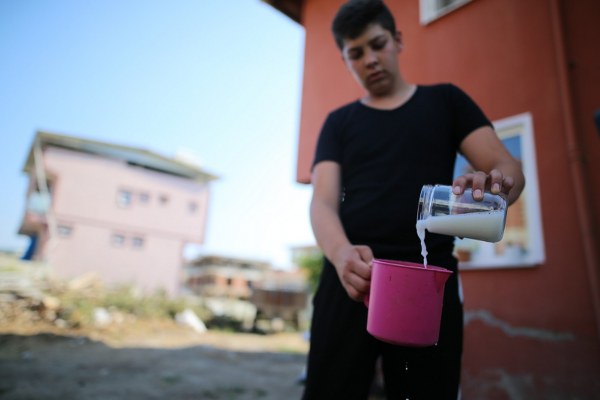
479	182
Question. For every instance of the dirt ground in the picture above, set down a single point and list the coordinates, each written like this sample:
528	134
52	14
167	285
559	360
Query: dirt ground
148	360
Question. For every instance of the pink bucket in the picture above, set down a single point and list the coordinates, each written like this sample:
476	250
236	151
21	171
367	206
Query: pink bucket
405	302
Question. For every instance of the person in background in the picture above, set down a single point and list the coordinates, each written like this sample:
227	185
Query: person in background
373	156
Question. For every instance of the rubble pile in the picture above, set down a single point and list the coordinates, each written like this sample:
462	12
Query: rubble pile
29	294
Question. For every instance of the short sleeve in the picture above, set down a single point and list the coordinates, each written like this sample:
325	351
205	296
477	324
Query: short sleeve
329	144
468	116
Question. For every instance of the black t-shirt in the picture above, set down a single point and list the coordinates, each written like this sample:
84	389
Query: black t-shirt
386	156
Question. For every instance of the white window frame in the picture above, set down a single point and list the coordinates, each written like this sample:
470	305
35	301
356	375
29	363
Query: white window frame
430	10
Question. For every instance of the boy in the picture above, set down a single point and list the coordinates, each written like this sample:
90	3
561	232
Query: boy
373	156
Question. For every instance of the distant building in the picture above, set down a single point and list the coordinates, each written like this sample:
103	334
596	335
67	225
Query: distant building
122	212
237	278
225	277
229	285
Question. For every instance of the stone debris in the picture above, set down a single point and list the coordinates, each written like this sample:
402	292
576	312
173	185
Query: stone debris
29	293
189	318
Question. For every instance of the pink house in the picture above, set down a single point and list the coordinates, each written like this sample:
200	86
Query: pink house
121	212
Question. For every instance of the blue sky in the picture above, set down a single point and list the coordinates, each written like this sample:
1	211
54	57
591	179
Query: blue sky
217	80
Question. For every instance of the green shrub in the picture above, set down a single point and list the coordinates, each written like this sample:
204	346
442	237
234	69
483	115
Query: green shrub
78	307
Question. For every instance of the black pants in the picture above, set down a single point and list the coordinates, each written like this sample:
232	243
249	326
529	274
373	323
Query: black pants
342	356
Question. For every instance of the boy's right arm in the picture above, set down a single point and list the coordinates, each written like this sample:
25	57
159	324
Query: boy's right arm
352	262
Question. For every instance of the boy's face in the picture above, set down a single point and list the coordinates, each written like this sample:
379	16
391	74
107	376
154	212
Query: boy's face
372	58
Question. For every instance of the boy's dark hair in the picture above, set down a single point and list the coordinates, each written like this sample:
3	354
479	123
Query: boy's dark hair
354	16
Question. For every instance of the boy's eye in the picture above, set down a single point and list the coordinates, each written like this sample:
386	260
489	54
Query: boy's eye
379	44
354	54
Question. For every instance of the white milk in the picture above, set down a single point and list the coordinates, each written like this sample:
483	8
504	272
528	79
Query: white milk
421	225
486	226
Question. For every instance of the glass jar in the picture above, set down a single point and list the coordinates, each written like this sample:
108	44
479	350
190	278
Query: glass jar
441	211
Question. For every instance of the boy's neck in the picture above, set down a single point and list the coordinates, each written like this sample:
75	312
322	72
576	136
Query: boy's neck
393	100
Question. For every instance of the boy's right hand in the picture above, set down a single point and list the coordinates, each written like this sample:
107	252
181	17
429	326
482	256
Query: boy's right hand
353	266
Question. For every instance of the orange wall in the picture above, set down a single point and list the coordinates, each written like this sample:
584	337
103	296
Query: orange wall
536	325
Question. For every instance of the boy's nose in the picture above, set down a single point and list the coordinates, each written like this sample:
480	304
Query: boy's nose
370	58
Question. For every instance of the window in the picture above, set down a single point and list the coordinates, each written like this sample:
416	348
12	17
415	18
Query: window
137	242
39	203
163	199
48	187
117	240
523	241
430	10
144	197
64	230
124	198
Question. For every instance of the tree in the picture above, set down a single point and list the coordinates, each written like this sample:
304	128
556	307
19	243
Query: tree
312	264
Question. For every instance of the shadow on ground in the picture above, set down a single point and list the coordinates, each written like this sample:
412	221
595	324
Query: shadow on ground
49	366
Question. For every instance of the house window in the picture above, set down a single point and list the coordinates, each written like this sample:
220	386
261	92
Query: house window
64	230
48	187
430	10
144	197
117	240
163	199
523	242
124	198
39	203
137	242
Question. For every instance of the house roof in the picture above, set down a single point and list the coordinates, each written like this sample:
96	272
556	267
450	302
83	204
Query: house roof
291	8
227	261
131	155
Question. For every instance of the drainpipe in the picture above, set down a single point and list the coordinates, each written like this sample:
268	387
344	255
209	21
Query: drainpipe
576	160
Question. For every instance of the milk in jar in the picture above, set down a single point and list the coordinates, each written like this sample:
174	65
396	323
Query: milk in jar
441	211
